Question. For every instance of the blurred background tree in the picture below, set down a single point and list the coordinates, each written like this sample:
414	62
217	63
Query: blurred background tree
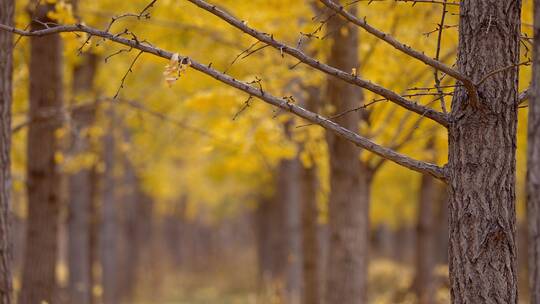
187	191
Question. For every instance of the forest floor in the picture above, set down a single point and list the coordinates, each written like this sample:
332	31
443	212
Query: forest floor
390	283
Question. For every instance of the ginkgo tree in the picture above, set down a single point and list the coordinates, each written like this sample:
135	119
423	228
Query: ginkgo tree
7	9
481	129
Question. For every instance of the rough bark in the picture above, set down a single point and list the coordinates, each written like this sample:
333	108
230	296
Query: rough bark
7	8
80	191
349	196
425	241
482	150
533	167
43	176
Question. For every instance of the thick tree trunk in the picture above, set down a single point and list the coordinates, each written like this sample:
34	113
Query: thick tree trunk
7	8
43	176
482	150
424	284
109	218
80	191
533	165
349	197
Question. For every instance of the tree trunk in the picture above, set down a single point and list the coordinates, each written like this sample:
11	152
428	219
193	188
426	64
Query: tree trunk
350	179
441	252
175	234
109	217
133	224
43	176
6	67
291	196
310	241
268	228
278	235
533	167
311	255
94	233
425	241
80	190
482	150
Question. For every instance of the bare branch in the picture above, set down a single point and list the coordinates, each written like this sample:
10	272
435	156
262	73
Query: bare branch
173	25
129	70
348	77
246	105
437	56
179	123
410	1
282	103
524	96
468	83
497	71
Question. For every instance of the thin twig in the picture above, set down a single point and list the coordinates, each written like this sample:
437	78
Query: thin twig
246	105
497	71
439	117
467	82
406	161
129	70
437	56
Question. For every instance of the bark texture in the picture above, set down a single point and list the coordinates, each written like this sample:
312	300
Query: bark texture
349	196
482	149
43	176
7	8
533	167
80	192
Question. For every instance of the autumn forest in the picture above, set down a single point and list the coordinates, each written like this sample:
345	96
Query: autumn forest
270	151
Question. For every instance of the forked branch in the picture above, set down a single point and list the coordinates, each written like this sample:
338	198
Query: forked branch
282	103
467	82
392	96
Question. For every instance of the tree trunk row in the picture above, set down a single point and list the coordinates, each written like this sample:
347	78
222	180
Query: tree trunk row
7	9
